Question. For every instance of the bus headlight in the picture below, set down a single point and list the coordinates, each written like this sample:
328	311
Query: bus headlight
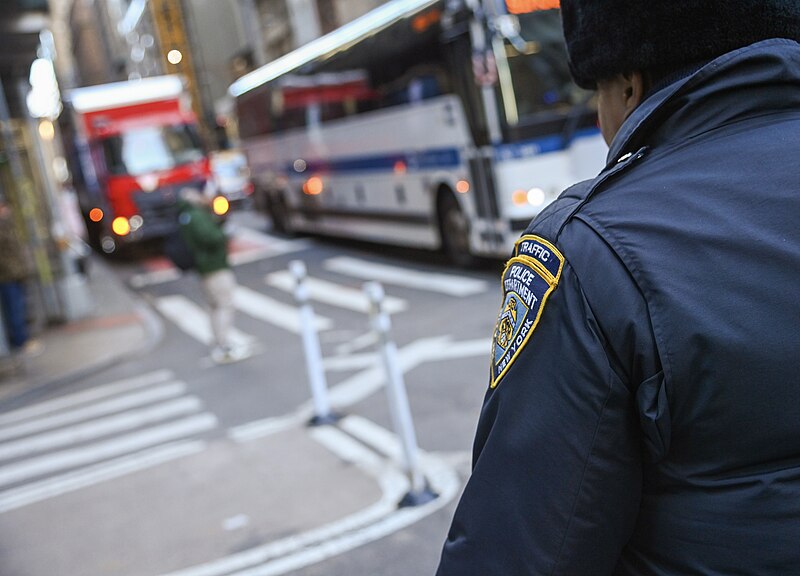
220	205
136	222
121	226
536	197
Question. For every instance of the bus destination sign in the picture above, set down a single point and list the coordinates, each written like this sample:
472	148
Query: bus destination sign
527	6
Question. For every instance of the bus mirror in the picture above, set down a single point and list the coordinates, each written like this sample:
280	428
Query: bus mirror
508	27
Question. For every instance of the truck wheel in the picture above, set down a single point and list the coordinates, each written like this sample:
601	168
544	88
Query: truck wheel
454	231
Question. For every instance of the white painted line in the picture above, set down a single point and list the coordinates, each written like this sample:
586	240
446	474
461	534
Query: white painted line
463	349
118	404
265	246
86	396
194	321
364	341
346	448
155	277
450	284
277	246
334	294
92	453
354	362
235	522
377	437
272	311
269	426
71	481
249	256
99	428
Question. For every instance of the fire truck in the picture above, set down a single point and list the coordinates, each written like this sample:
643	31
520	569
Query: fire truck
136	146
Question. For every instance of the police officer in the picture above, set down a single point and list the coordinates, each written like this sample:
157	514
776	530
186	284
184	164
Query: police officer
643	415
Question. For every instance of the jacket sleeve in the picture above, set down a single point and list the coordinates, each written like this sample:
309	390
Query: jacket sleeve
556	476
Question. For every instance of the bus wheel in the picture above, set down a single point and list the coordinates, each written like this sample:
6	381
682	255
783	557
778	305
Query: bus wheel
454	232
279	212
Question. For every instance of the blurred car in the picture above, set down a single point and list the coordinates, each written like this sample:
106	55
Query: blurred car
231	176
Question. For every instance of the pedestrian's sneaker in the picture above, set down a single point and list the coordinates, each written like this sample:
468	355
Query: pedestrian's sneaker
227	355
221	355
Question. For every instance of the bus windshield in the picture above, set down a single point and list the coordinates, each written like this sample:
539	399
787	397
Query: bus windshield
538	82
151	149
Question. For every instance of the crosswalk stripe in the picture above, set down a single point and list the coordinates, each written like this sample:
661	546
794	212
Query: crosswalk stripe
71	481
450	284
272	311
155	277
267	246
105	450
334	294
194	321
358	343
98	428
86	396
351	362
118	404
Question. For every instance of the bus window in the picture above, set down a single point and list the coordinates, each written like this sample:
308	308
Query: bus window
253	113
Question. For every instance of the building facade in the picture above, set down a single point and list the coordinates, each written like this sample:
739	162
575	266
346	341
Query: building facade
283	25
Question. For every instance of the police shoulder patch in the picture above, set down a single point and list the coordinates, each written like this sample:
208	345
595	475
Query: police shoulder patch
528	280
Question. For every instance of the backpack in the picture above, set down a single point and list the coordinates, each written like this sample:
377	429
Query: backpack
178	251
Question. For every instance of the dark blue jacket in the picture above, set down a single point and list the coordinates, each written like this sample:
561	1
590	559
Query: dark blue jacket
650	422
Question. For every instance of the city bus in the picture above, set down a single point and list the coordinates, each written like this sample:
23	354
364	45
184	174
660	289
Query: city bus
440	124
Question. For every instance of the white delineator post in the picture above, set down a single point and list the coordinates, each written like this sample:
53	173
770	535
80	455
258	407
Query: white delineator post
402	420
311	346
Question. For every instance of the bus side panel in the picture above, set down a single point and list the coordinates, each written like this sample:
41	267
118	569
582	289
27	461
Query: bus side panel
379	171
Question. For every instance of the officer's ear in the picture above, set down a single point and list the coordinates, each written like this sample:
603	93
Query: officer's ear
617	98
634	87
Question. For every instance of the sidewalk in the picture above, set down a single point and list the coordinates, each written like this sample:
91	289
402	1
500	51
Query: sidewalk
119	327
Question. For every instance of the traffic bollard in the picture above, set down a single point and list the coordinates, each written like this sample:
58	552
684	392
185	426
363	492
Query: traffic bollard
420	492
311	346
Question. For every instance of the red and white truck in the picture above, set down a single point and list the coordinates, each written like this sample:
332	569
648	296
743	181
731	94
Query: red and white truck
137	146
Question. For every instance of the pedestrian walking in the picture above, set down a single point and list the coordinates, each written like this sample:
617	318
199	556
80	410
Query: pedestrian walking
14	271
643	412
207	245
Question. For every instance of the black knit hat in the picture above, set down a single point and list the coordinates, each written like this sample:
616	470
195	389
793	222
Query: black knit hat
609	37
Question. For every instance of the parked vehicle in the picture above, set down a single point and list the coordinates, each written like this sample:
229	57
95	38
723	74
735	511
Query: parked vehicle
137	145
231	176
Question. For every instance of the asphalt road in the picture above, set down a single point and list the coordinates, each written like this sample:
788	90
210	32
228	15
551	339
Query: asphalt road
174	465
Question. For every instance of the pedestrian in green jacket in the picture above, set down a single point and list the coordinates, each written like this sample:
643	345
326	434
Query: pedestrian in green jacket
203	234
